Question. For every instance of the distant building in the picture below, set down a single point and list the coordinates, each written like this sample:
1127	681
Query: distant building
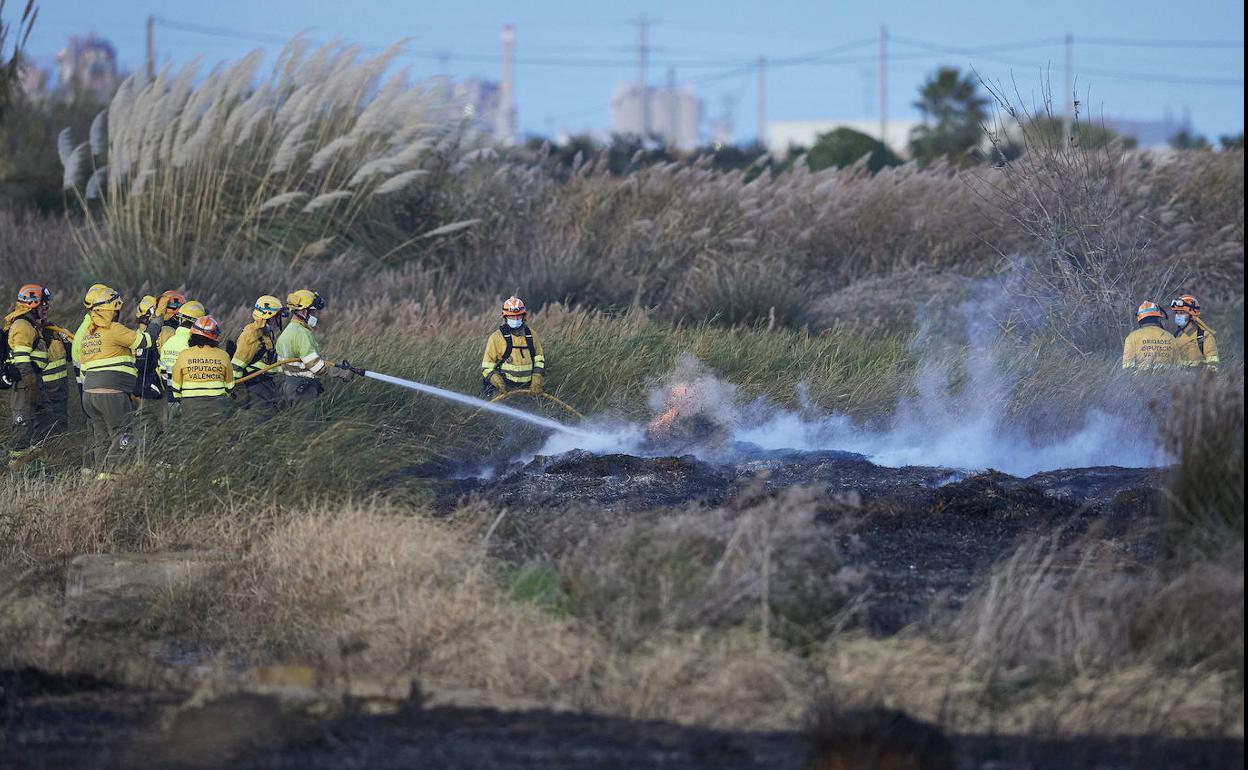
782	135
89	63
1150	134
675	114
477	102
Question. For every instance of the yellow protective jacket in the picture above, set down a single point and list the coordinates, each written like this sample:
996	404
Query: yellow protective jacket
54	367
26	347
1194	345
106	352
202	371
1148	347
516	354
75	349
256	347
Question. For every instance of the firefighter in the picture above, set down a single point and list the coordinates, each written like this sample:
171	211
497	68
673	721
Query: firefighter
107	354
301	383
1149	345
255	349
202	378
28	353
1194	342
513	358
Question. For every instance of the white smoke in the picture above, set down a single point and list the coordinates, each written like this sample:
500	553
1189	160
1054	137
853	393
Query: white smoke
967	427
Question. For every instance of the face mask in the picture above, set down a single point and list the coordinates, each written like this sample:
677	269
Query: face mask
1180	321
515	323
311	321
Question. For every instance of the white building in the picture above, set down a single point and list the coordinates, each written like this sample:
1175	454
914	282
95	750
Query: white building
1149	134
675	114
89	63
477	102
781	135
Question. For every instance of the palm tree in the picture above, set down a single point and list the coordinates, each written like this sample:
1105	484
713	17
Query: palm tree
953	114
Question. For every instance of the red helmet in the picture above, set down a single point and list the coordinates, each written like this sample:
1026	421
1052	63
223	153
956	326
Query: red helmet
32	295
513	307
1186	304
1149	310
206	327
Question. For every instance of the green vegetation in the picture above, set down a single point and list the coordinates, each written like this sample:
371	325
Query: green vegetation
954	112
828	290
845	146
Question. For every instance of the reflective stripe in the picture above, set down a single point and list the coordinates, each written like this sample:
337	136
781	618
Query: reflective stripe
123	364
20	354
198	389
313	362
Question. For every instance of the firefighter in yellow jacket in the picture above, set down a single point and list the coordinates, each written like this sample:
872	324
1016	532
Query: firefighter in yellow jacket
107	351
202	377
28	354
1149	345
172	347
1194	343
513	358
255	349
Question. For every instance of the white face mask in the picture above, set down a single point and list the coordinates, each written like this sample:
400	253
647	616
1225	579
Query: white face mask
515	323
1180	320
311	321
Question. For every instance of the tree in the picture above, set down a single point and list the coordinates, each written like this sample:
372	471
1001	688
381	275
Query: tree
953	115
1186	140
843	147
1233	141
14	38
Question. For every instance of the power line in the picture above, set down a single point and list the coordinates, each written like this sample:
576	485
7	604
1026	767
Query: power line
1151	77
1126	42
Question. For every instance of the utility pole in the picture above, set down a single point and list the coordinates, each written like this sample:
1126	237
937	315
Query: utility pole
883	85
672	131
761	130
1068	96
504	126
150	59
643	51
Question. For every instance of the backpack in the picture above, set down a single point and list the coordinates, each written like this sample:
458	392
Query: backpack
10	375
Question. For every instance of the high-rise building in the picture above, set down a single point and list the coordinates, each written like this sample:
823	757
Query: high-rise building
89	63
479	103
675	114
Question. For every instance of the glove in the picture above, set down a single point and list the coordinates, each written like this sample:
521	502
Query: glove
346	375
496	380
535	385
162	305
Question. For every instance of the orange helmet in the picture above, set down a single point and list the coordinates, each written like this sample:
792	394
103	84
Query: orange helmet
205	326
1149	310
32	295
1186	304
513	307
176	300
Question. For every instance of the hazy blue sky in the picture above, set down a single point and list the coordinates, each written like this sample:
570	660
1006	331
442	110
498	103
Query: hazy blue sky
570	53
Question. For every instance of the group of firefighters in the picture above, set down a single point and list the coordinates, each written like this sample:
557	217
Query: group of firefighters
172	366
1152	346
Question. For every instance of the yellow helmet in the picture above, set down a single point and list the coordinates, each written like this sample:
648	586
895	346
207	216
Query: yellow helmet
266	307
101	296
146	306
190	310
304	299
94	291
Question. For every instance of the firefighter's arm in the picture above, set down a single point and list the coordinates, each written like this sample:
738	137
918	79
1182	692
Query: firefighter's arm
491	358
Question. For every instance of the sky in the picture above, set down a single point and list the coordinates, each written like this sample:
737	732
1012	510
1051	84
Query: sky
1137	59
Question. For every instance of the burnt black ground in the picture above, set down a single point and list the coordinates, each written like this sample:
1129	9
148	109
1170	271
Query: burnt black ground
919	533
52	721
